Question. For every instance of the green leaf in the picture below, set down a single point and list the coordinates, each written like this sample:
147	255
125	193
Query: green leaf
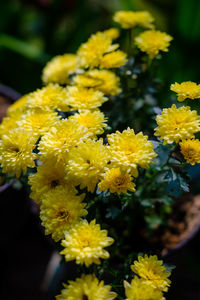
112	212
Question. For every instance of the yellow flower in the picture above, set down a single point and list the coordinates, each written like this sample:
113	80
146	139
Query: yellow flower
38	122
60	210
50	97
16	151
152	271
191	151
175	124
130	19
85	243
139	290
60	139
88	287
93	121
10	122
50	174
102	80
84	98
90	53
87	163
59	68
115	59
117	182
17	106
153	41
112	33
187	89
127	150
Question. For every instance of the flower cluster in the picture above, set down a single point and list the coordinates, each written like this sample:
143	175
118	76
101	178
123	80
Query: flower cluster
60	140
180	124
152	281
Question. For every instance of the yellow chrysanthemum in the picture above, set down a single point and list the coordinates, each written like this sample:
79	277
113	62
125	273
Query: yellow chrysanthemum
84	98
59	68
128	150
191	151
50	97
88	287
16	152
112	33
85	243
93	121
10	122
152	271
117	182
175	124
50	174
139	290
187	89
38	122
114	59
60	210
130	19
18	106
60	139
90	53
102	80
153	41
87	163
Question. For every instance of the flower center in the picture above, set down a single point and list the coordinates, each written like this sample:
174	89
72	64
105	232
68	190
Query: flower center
54	183
62	214
15	149
85	297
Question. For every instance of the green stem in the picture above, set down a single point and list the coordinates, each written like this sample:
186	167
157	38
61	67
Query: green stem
25	49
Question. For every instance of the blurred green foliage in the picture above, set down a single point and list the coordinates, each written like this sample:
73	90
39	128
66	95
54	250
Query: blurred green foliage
33	31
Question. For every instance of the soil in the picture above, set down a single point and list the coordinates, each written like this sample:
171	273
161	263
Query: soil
183	223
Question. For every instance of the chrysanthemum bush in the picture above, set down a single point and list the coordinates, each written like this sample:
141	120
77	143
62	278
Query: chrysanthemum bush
97	178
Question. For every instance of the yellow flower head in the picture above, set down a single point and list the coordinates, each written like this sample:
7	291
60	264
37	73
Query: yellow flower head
128	150
50	97
87	163
187	89
130	19
16	151
90	53
191	151
59	68
153	41
102	80
175	124
115	59
117	182
85	243
112	33
38	122
17	106
50	174
60	210
93	121
10	122
84	98
139	290
87	287
60	139
152	271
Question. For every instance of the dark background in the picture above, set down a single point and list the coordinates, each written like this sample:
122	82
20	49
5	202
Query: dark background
31	32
